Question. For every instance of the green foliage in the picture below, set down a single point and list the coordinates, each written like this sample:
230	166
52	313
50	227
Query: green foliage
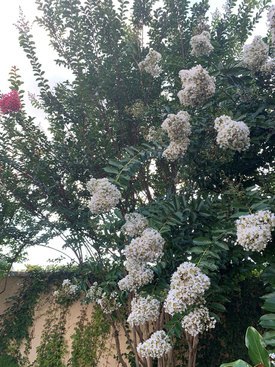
18	318
256	351
7	361
256	347
97	124
89	339
226	341
238	363
52	347
267	321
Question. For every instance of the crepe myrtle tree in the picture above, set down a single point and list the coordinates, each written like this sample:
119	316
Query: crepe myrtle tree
156	167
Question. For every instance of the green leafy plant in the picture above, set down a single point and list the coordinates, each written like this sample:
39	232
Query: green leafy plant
256	350
106	122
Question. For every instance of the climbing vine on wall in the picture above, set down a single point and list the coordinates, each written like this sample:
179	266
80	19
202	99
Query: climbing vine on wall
89	339
52	348
18	318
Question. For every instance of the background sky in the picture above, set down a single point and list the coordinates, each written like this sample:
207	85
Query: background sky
12	54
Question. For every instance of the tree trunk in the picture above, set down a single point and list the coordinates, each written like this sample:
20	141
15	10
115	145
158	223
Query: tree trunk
193	342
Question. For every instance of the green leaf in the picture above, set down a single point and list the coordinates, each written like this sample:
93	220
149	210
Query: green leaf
269	304
201	241
268	321
217	307
256	347
238	363
269	338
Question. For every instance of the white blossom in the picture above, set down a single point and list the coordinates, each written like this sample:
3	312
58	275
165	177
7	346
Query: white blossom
94	293
269	66
254	230
146	248
178	129
108	302
175	150
69	288
66	282
197	86
140	254
201	44
255	54
56	293
138	277
177	126
105	195
188	285
151	63
143	309
271	22
198	321
156	346
135	224
152	134
232	134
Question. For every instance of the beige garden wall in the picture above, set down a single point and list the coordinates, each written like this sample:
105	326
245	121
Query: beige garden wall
13	284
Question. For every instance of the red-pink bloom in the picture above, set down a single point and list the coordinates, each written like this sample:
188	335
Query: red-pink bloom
10	102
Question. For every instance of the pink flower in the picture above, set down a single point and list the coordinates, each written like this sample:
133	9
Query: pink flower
10	102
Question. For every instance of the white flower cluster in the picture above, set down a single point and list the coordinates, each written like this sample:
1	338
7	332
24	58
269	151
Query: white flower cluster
255	55
198	321
268	67
69	288
156	346
67	291
254	230
201	44
143	309
148	248
139	275
197	86
152	135
135	224
94	293
151	63
178	129
109	302
105	195
232	134
271	22
188	285
143	250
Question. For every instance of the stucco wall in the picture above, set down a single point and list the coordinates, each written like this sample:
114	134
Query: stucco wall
40	317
